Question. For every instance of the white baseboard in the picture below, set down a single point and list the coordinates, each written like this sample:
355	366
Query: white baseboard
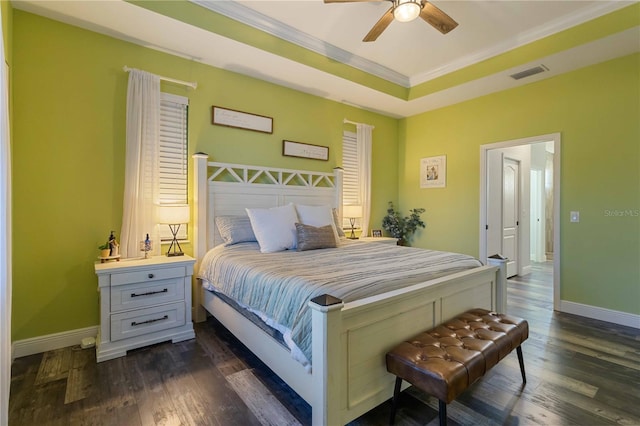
602	314
35	345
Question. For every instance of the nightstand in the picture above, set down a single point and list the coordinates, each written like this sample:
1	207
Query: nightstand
383	240
142	302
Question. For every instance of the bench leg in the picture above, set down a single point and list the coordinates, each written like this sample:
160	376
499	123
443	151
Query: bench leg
394	401
442	409
521	361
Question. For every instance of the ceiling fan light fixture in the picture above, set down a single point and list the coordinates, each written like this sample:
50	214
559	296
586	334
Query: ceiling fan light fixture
406	10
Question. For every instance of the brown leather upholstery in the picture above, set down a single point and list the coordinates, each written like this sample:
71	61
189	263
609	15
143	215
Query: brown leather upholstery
445	360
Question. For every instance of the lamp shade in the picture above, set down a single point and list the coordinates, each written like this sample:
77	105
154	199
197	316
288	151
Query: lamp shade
352	211
173	213
406	10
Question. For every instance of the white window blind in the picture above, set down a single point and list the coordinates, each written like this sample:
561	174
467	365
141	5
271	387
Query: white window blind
174	117
351	175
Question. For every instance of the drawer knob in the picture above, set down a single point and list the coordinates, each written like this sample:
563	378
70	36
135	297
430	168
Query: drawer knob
150	275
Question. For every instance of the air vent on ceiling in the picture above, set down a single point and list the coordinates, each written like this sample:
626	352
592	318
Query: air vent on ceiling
531	71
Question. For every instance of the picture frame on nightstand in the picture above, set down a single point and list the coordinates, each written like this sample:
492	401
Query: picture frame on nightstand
376	233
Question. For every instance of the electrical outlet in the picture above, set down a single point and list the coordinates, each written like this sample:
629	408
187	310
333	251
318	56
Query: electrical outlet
575	217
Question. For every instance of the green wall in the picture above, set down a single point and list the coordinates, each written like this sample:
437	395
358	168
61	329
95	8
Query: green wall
68	117
7	23
597	112
69	143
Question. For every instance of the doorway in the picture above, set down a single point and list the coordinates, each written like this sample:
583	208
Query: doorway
510	222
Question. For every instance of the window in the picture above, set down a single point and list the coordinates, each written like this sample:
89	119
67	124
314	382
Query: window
172	154
351	177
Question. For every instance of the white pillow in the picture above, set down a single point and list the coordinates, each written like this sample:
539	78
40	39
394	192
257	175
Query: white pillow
317	216
274	228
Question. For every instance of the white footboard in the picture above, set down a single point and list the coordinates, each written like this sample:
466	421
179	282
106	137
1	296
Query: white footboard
350	340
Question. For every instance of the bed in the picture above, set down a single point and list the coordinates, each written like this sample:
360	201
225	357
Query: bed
349	336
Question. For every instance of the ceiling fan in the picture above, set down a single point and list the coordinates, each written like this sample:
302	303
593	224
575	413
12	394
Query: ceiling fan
405	11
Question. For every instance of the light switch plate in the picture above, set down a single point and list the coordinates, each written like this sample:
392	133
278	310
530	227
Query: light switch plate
575	217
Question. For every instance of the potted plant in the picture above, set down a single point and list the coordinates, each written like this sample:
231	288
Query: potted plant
105	249
400	227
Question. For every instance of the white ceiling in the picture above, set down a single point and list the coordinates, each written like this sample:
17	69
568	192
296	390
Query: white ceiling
406	53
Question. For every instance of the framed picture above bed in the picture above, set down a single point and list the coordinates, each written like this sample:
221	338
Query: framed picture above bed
241	120
305	150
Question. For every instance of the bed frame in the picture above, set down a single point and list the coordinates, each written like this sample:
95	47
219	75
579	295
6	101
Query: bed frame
349	340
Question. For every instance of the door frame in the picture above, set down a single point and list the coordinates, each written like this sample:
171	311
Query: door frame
551	137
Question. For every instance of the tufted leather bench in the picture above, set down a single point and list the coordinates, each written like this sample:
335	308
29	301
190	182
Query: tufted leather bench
447	359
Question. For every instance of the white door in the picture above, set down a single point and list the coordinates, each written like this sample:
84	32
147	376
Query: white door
510	207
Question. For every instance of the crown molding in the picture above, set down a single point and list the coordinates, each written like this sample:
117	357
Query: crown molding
248	16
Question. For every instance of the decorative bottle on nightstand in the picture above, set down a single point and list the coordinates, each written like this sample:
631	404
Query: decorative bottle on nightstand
146	247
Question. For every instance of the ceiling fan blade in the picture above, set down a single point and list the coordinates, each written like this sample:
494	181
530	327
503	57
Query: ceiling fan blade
437	18
380	26
350	1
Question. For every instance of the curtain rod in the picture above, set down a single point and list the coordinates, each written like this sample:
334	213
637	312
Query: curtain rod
354	123
193	85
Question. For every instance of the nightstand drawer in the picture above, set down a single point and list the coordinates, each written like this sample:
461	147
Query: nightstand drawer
144	321
147	275
133	296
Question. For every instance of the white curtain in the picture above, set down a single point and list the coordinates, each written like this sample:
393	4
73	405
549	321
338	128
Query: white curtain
364	142
141	172
5	238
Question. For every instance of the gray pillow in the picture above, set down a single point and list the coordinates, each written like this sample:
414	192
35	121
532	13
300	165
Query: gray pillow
235	229
312	238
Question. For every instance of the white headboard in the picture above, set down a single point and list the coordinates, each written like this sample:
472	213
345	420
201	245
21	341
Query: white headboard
222	189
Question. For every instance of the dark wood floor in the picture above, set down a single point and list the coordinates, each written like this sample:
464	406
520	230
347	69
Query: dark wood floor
579	371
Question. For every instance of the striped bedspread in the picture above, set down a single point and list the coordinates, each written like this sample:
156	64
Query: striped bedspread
278	286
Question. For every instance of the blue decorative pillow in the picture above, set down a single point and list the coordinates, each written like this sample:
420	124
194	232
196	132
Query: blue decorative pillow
235	229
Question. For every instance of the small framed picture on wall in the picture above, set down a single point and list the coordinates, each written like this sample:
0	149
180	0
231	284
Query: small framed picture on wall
433	172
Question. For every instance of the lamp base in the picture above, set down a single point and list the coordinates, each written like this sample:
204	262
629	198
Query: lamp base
352	220
175	245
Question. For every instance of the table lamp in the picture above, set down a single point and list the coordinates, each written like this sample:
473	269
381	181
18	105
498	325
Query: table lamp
352	212
173	215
